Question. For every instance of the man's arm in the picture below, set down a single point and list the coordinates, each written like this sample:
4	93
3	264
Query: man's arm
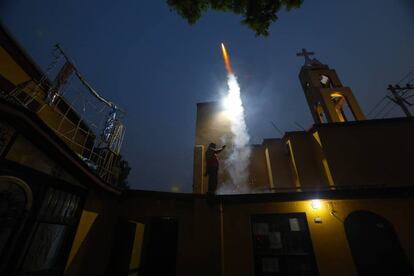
220	150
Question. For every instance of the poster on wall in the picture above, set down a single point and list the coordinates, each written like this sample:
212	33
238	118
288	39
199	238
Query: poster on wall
294	224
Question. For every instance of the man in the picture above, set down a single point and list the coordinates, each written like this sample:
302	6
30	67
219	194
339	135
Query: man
212	166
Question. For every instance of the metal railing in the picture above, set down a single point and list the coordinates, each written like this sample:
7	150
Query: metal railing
77	134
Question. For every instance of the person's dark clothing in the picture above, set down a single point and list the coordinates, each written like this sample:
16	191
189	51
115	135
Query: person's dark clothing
212	160
212	179
212	167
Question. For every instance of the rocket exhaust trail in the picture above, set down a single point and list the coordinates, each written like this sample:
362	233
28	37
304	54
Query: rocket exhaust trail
226	59
237	162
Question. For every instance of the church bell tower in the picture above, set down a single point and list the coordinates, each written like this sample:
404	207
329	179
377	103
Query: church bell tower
329	101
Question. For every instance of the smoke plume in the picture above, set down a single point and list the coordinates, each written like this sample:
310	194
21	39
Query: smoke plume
237	162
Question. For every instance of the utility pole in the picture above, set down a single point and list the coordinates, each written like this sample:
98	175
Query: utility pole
399	98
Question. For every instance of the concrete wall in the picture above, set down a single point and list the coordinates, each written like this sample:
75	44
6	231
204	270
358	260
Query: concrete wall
370	153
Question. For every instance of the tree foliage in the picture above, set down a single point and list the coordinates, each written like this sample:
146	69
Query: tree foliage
257	14
124	170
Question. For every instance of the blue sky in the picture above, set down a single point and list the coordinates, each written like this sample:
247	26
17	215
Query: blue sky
150	62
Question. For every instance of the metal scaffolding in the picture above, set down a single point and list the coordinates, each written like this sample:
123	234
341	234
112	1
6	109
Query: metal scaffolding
88	123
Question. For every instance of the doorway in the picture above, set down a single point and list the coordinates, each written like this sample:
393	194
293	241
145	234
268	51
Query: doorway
375	246
160	247
144	248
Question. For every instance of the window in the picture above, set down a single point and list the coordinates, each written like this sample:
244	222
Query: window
54	228
318	109
282	245
325	81
15	202
342	108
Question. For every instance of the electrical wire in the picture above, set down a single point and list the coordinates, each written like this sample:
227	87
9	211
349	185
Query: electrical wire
381	110
406	76
376	106
389	111
410	81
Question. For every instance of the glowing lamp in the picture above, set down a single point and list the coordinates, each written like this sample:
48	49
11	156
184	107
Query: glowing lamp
316	204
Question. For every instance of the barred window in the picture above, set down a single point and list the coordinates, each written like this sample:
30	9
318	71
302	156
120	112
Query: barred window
55	225
282	245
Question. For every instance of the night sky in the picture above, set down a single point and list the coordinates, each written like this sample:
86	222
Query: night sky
150	62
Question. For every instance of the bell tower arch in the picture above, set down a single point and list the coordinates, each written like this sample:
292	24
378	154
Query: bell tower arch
329	101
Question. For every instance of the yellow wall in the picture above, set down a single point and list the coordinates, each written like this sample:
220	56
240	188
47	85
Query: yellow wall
23	151
211	241
10	70
135	261
305	158
86	221
198	248
329	241
279	164
91	249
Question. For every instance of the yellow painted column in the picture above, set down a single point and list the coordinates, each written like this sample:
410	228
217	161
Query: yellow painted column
86	221
135	261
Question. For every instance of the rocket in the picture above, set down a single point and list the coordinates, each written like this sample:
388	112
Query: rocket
226	59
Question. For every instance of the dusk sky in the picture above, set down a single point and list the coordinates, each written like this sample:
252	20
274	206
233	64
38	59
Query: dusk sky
149	61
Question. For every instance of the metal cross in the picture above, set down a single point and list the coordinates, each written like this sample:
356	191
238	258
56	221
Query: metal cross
306	55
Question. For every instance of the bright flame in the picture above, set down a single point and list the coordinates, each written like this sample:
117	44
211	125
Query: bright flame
226	59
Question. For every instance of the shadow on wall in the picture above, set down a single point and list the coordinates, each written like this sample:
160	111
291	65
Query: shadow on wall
94	231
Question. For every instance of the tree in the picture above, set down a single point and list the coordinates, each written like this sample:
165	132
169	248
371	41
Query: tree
124	170
257	14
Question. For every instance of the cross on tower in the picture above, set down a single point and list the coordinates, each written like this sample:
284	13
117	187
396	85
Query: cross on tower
307	55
